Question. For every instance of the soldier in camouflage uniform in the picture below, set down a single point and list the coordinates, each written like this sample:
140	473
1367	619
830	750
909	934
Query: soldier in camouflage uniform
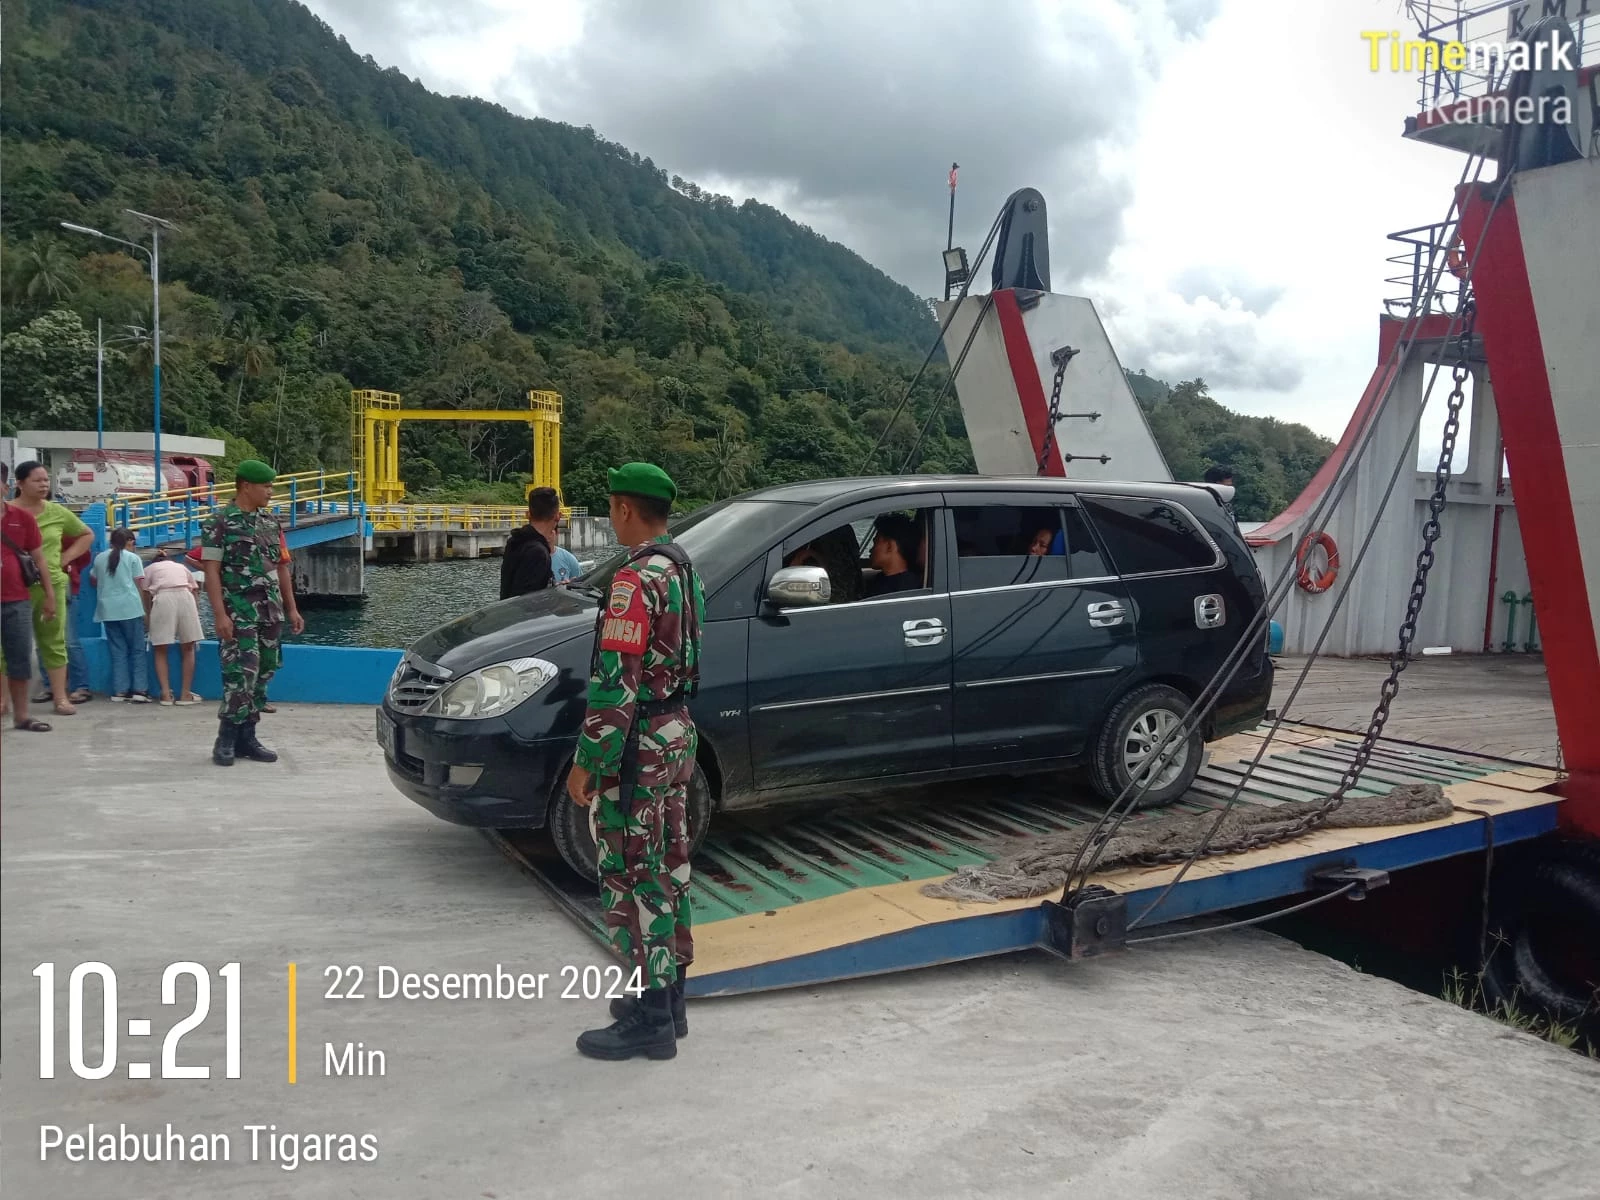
635	759
251	594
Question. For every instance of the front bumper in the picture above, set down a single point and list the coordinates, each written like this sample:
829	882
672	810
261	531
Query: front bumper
475	773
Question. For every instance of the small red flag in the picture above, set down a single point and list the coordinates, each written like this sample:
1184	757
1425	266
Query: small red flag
954	167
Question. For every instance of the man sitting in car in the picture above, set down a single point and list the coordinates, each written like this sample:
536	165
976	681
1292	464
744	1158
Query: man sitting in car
894	550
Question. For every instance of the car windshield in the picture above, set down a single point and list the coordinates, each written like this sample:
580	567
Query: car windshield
720	539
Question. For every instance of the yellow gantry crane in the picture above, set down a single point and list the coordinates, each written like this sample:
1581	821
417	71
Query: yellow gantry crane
375	438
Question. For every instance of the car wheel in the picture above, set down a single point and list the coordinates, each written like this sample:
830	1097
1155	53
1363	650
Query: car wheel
1127	741
569	824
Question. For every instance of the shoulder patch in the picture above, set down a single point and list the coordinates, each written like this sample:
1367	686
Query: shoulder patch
624	587
627	624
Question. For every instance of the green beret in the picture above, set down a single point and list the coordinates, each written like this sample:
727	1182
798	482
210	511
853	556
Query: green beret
253	470
641	479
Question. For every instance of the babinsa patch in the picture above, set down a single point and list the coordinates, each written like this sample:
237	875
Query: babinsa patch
627	623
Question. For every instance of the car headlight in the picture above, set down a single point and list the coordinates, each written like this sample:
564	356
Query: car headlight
491	691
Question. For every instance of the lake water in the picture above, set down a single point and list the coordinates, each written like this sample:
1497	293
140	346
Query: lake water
403	602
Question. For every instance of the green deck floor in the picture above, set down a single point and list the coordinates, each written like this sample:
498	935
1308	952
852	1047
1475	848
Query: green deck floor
751	866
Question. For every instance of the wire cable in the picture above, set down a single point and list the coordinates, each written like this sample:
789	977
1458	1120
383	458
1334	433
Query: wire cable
1392	368
1327	627
1328	624
944	326
955	369
1261	920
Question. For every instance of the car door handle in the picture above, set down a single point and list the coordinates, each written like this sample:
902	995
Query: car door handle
1106	613
924	631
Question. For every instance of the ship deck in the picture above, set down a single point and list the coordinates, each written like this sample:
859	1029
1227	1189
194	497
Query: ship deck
1175	1069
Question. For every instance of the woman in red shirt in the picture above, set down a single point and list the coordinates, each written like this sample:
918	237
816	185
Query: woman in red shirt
19	538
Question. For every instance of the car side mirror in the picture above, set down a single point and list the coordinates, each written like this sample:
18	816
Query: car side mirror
799	587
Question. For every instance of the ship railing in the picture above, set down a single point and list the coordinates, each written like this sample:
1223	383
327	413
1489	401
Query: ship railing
453	518
1479	27
1423	267
179	516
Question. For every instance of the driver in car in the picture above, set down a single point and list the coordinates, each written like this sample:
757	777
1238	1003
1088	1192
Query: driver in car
894	548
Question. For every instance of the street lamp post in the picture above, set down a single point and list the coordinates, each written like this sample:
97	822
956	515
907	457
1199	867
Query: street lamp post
153	253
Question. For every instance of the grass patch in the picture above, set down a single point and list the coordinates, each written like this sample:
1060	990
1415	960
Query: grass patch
1466	991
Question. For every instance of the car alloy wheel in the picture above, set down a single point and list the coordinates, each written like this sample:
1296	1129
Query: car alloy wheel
1139	749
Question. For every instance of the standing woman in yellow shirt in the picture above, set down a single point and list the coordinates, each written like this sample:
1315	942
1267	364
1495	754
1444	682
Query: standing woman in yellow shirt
65	537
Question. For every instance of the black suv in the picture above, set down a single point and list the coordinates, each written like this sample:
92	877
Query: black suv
1049	624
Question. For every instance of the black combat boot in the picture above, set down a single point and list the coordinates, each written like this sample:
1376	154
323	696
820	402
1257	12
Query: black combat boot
222	749
646	1029
623	1005
249	747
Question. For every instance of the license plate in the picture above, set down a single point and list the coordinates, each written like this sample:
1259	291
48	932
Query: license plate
387	734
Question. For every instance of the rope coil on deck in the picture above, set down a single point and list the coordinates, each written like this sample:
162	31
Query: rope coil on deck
1039	865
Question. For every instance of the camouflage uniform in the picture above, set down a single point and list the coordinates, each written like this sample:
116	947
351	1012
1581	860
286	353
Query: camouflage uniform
249	546
647	652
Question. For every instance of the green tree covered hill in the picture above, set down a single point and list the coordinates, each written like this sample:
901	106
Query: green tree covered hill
1272	460
344	228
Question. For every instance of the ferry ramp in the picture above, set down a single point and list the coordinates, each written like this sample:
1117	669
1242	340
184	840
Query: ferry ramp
788	901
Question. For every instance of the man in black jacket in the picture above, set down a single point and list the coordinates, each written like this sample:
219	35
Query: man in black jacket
526	565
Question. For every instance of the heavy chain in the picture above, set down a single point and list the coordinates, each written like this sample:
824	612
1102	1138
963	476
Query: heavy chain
1398	660
1061	358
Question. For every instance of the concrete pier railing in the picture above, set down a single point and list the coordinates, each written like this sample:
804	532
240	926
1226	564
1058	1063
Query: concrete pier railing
585	536
588	534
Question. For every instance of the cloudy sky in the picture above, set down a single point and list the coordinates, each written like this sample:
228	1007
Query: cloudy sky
1220	174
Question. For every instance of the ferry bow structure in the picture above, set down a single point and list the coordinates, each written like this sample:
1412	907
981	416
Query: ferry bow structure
1498	316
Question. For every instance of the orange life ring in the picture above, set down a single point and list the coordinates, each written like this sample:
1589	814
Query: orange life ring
1322	581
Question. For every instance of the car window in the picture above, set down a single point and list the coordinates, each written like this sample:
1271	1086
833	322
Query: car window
1002	545
1084	560
846	552
719	539
1144	536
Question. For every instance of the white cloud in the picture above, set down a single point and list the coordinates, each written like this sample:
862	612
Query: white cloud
1220	174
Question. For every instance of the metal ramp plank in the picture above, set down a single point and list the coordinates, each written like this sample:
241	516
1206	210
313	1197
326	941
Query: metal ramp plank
834	895
1325	781
1385	768
945	853
1262	786
826	859
733	883
893	928
861	839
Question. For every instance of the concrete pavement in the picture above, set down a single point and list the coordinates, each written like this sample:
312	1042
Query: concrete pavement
1232	1065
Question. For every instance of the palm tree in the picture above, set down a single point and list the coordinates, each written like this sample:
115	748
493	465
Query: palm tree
44	271
252	355
730	465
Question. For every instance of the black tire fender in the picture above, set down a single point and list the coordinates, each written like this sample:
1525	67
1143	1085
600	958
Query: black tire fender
1544	934
1106	771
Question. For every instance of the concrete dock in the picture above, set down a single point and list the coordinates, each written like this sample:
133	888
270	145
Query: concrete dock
1226	1065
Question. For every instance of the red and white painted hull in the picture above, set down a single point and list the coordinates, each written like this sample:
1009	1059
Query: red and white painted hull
1537	282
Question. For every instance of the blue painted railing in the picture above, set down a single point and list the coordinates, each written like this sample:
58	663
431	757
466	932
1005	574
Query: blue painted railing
177	517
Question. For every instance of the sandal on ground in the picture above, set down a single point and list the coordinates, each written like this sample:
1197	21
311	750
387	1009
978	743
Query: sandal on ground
191	698
81	696
138	698
31	726
266	708
166	701
63	709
